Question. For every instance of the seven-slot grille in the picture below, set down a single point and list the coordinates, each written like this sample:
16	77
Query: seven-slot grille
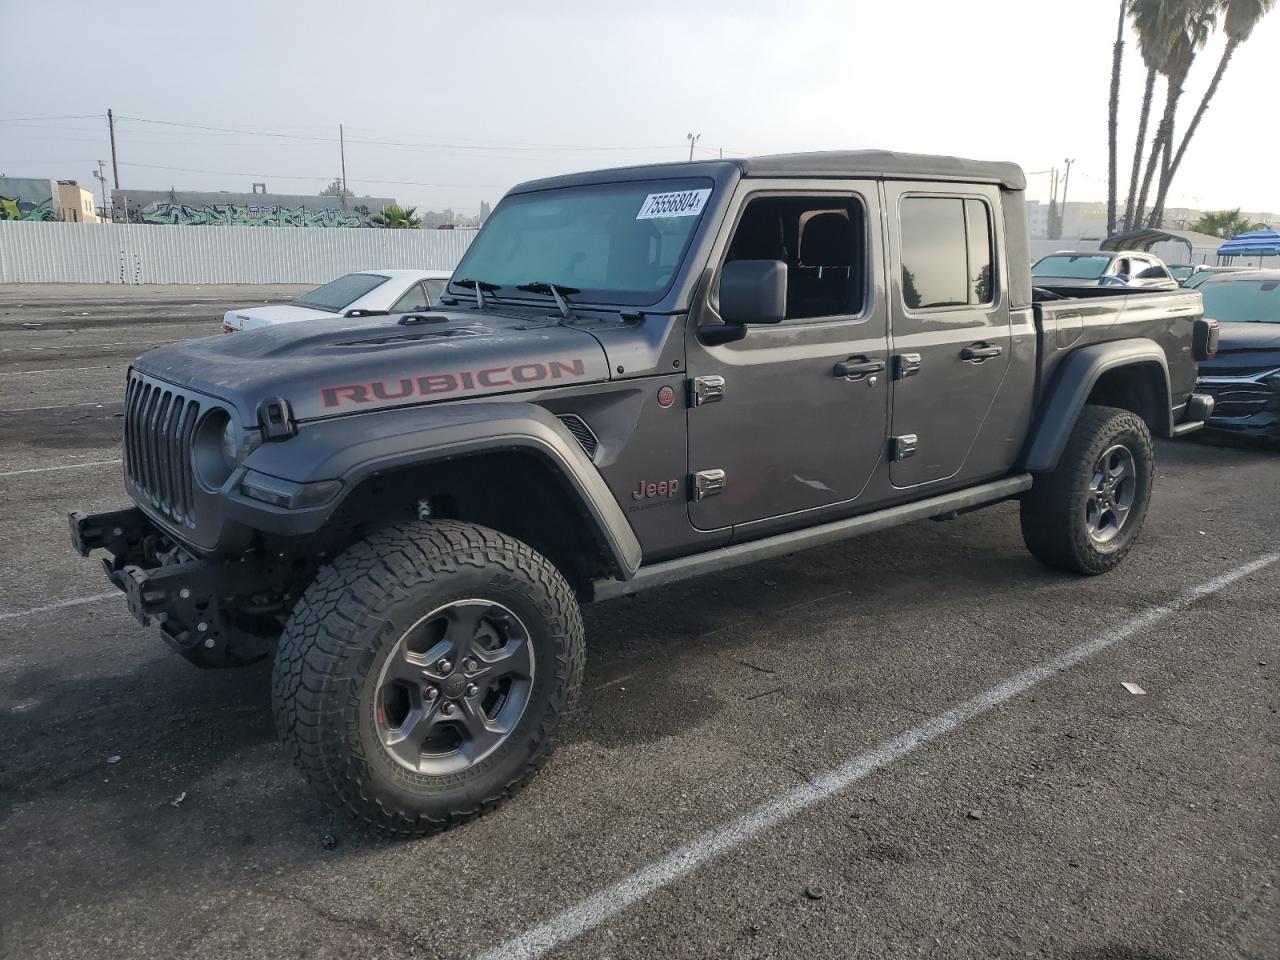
159	423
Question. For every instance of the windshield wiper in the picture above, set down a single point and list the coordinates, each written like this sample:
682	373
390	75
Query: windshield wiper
480	286
559	292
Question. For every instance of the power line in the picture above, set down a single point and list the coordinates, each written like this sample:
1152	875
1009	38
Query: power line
421	144
293	176
81	116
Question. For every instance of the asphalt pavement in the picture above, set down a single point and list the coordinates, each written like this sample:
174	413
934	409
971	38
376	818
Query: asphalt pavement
915	744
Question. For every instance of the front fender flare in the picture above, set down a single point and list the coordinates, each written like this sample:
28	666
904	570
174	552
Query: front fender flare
1070	389
356	447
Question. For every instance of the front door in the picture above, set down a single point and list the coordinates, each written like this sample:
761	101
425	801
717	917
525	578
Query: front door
802	413
951	334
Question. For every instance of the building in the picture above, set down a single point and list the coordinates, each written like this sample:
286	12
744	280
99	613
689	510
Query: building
256	209
29	198
73	203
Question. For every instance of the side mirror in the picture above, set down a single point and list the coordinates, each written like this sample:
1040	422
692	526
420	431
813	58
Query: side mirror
753	291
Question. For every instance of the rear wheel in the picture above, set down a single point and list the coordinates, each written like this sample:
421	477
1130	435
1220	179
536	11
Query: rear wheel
425	673
1085	515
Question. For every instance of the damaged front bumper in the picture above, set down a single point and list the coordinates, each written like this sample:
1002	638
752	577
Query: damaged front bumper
167	586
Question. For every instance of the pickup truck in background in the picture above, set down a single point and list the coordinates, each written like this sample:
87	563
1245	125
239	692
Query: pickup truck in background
635	376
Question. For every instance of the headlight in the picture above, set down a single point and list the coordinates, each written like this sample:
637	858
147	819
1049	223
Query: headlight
218	447
231	444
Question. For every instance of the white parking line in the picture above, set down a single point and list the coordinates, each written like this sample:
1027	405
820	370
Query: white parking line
60	605
73	342
65	466
608	903
59	406
102	366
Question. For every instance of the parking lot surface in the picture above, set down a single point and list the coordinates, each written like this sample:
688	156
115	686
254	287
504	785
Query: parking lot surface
913	744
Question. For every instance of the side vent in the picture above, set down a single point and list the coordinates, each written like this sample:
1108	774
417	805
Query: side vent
581	432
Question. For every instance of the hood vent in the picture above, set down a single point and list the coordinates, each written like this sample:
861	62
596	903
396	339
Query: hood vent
410	337
581	432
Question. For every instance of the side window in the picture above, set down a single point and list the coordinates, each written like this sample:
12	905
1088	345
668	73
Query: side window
412	301
822	240
1122	268
946	252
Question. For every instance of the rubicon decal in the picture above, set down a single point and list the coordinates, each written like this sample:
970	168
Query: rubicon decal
433	385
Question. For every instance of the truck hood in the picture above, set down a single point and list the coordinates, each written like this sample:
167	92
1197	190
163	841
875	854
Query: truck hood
353	365
1249	336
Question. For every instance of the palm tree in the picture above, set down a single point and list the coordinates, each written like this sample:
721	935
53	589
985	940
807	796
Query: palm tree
1113	109
1225	223
1189	24
396	217
1151	19
1241	17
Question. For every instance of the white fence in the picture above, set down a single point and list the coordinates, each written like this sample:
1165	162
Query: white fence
37	252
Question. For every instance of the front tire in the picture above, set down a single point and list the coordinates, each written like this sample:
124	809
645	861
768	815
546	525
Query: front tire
424	674
1085	515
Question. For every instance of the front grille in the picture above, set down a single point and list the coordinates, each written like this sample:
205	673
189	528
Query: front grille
1238	369
159	423
1243	399
581	432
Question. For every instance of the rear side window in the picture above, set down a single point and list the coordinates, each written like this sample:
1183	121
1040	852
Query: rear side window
946	252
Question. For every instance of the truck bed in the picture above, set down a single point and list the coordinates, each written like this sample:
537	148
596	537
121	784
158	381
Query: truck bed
1068	318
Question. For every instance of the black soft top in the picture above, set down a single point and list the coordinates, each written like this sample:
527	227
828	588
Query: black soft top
872	164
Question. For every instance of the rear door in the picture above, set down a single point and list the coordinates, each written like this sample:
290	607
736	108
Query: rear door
950	325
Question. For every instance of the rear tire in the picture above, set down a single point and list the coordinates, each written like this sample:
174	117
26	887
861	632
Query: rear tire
424	674
1085	515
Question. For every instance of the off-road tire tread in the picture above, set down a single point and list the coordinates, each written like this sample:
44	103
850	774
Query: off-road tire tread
1048	524
324	656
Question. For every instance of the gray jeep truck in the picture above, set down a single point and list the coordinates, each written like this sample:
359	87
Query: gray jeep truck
635	376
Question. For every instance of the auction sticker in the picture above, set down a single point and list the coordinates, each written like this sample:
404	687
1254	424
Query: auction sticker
682	203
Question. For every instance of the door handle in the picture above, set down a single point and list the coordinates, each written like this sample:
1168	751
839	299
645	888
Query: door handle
977	352
855	368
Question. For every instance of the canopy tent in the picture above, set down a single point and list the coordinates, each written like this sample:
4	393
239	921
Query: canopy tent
1256	243
1148	237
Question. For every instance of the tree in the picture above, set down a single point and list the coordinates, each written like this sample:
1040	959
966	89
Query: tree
1241	17
1113	110
396	217
336	189
1225	224
1151	20
1185	26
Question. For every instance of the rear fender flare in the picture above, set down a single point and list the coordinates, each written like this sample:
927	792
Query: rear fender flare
354	448
1067	394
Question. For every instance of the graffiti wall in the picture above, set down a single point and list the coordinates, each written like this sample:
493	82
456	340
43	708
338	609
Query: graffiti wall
244	210
25	198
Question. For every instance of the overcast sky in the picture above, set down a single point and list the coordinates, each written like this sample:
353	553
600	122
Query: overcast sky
468	98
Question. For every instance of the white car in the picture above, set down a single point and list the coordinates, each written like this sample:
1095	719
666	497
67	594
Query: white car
395	291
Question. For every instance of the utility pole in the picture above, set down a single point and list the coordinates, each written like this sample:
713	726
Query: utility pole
1065	180
102	182
1053	203
115	166
693	139
342	153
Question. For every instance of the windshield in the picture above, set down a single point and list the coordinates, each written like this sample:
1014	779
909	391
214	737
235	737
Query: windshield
1242	301
618	243
341	293
1181	272
1082	267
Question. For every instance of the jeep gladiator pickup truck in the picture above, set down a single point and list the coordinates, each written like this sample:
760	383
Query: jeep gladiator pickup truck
635	376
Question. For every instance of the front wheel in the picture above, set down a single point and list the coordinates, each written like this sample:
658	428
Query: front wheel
424	674
1085	515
